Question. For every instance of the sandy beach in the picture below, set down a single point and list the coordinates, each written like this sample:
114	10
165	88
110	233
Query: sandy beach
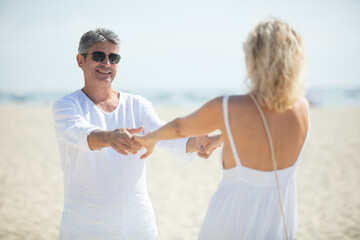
31	188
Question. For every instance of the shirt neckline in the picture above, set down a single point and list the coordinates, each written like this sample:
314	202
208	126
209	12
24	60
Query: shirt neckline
96	107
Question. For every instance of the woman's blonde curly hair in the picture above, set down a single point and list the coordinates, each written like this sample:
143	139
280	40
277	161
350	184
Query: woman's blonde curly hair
275	60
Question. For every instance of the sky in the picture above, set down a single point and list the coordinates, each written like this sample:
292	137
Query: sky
169	44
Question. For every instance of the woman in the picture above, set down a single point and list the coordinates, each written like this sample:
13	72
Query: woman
262	130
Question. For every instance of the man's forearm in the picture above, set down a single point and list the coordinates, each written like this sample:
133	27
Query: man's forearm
99	139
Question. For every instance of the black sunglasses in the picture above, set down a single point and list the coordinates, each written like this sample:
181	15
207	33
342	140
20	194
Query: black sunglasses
98	56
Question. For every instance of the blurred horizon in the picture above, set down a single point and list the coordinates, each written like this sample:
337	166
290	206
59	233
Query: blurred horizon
320	97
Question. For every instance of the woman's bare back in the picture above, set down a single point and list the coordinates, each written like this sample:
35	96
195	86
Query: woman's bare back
288	131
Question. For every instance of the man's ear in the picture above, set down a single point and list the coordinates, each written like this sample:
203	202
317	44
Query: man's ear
80	60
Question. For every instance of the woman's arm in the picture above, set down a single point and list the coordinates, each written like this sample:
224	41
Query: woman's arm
203	121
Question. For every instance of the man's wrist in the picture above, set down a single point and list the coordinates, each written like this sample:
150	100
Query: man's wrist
191	145
99	139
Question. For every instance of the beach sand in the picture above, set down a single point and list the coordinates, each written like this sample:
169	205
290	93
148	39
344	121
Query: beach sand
31	188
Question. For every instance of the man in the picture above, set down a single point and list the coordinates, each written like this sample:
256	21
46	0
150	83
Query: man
105	184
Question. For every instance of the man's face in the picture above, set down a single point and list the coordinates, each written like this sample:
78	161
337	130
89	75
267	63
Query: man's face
98	74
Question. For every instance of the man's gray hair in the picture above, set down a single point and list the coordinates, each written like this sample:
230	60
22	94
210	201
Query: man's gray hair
97	35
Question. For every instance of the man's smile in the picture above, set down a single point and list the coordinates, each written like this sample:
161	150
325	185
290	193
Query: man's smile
103	71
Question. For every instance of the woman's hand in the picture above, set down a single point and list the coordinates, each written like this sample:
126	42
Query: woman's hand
147	142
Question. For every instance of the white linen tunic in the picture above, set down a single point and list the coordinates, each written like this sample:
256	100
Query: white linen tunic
246	203
105	192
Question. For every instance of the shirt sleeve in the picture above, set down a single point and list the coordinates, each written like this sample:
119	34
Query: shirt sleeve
151	121
70	126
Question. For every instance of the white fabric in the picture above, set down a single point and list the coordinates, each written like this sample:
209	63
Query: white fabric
246	203
105	192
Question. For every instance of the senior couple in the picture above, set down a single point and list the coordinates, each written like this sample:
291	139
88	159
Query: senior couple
103	133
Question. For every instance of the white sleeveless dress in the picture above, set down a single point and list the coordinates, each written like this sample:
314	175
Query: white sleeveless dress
246	204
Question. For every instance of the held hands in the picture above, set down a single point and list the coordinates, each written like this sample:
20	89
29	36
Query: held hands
205	145
201	143
147	142
123	142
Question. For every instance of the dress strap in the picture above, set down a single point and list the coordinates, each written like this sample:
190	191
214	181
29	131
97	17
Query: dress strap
228	130
273	160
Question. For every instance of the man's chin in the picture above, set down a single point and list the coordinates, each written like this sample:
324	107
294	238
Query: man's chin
104	82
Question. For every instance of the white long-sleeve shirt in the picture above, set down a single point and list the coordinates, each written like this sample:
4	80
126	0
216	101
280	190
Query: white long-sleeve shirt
105	192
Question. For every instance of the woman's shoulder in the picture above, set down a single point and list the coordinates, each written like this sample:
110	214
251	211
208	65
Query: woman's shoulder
233	102
230	99
244	98
301	106
241	101
301	109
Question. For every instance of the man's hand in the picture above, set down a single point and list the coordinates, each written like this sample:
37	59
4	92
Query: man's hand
123	142
205	145
201	142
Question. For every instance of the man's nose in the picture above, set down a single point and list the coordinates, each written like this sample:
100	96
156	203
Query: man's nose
106	60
